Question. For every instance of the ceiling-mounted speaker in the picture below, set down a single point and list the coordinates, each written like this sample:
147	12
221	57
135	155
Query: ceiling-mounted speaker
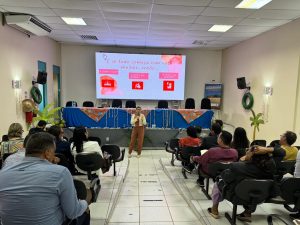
241	83
42	78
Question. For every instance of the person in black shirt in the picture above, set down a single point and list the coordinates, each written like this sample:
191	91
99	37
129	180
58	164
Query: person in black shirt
40	127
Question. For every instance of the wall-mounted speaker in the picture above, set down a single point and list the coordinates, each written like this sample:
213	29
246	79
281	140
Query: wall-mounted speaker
42	77
241	83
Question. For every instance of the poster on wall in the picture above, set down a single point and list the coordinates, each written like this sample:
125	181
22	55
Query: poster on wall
213	91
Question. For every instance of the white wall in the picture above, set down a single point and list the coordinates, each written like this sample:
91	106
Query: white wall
78	71
18	60
270	59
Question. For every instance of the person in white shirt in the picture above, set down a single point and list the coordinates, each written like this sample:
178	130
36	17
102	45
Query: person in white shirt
138	121
82	144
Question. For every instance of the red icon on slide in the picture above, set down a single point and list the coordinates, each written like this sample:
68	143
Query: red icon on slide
137	85
107	83
169	85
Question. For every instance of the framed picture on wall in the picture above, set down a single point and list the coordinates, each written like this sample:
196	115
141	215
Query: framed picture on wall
214	91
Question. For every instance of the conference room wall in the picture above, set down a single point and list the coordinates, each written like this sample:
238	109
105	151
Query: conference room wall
18	60
78	71
270	59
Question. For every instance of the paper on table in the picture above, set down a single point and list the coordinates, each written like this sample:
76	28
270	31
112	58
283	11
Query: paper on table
203	151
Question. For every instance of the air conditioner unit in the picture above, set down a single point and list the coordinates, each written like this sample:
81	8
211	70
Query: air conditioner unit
28	24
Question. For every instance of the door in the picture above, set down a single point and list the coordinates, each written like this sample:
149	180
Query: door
56	86
43	88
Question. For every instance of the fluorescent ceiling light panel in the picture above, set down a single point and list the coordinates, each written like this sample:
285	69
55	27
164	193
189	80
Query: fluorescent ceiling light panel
252	4
74	21
220	28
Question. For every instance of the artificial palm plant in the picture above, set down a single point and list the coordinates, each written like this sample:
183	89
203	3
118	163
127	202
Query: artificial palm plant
50	114
256	120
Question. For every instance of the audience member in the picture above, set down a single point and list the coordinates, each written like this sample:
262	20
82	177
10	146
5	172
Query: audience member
286	141
240	141
40	127
4	138
34	191
222	153
15	140
211	140
257	164
192	140
220	122
63	147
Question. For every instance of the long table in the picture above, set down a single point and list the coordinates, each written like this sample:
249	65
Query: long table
120	117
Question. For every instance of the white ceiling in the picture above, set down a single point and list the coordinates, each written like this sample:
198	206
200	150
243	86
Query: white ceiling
156	23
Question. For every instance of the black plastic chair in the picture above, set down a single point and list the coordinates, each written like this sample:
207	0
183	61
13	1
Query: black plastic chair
116	103
88	104
205	103
189	103
71	104
274	143
93	138
172	147
130	104
184	155
89	162
285	167
116	154
162	104
80	189
248	192
262	143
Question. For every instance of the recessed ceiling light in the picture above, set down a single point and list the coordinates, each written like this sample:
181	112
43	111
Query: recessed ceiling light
252	4
74	21
220	28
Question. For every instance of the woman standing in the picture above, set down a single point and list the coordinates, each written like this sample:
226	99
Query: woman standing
138	121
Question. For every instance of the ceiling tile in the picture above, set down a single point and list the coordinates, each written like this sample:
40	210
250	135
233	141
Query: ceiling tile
256	29
126	23
95	21
173	19
218	20
237	39
200	33
126	16
169	26
126	7
68	36
77	13
226	12
177	10
90	28
22	3
286	4
240	35
58	32
60	26
275	14
33	11
263	22
224	3
129	1
51	19
100	42
204	27
74	4
183	3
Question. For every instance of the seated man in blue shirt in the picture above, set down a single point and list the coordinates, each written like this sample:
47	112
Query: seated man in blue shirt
35	191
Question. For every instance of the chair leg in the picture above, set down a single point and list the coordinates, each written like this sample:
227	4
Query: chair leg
172	160
184	173
206	189
232	220
115	173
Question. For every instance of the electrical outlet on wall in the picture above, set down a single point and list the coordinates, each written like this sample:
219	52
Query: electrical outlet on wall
107	139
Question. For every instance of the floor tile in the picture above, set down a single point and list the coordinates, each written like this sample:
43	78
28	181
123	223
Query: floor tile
155	214
121	214
182	214
150	200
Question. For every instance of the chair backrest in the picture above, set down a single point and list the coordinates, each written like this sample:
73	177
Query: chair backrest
189	103
92	138
89	161
298	147
88	104
174	143
113	150
252	191
285	167
130	104
189	151
205	103
274	143
71	104
216	168
162	104
290	191
262	143
80	189
116	103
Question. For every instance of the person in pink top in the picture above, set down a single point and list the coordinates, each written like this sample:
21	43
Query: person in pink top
222	153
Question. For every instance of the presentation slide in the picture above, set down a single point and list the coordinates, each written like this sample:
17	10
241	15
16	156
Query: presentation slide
140	76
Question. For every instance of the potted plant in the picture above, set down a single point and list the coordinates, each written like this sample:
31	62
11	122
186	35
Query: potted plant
50	114
256	120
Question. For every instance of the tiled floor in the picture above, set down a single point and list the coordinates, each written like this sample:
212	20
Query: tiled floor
149	197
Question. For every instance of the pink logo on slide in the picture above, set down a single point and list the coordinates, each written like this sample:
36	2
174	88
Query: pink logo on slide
109	71
168	76
140	76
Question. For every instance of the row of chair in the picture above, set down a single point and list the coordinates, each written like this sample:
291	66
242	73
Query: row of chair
163	104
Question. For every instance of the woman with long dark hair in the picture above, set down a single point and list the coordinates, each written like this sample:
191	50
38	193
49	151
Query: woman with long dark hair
240	141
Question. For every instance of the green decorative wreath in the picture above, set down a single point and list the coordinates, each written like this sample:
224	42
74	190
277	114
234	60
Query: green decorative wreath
247	100
36	95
